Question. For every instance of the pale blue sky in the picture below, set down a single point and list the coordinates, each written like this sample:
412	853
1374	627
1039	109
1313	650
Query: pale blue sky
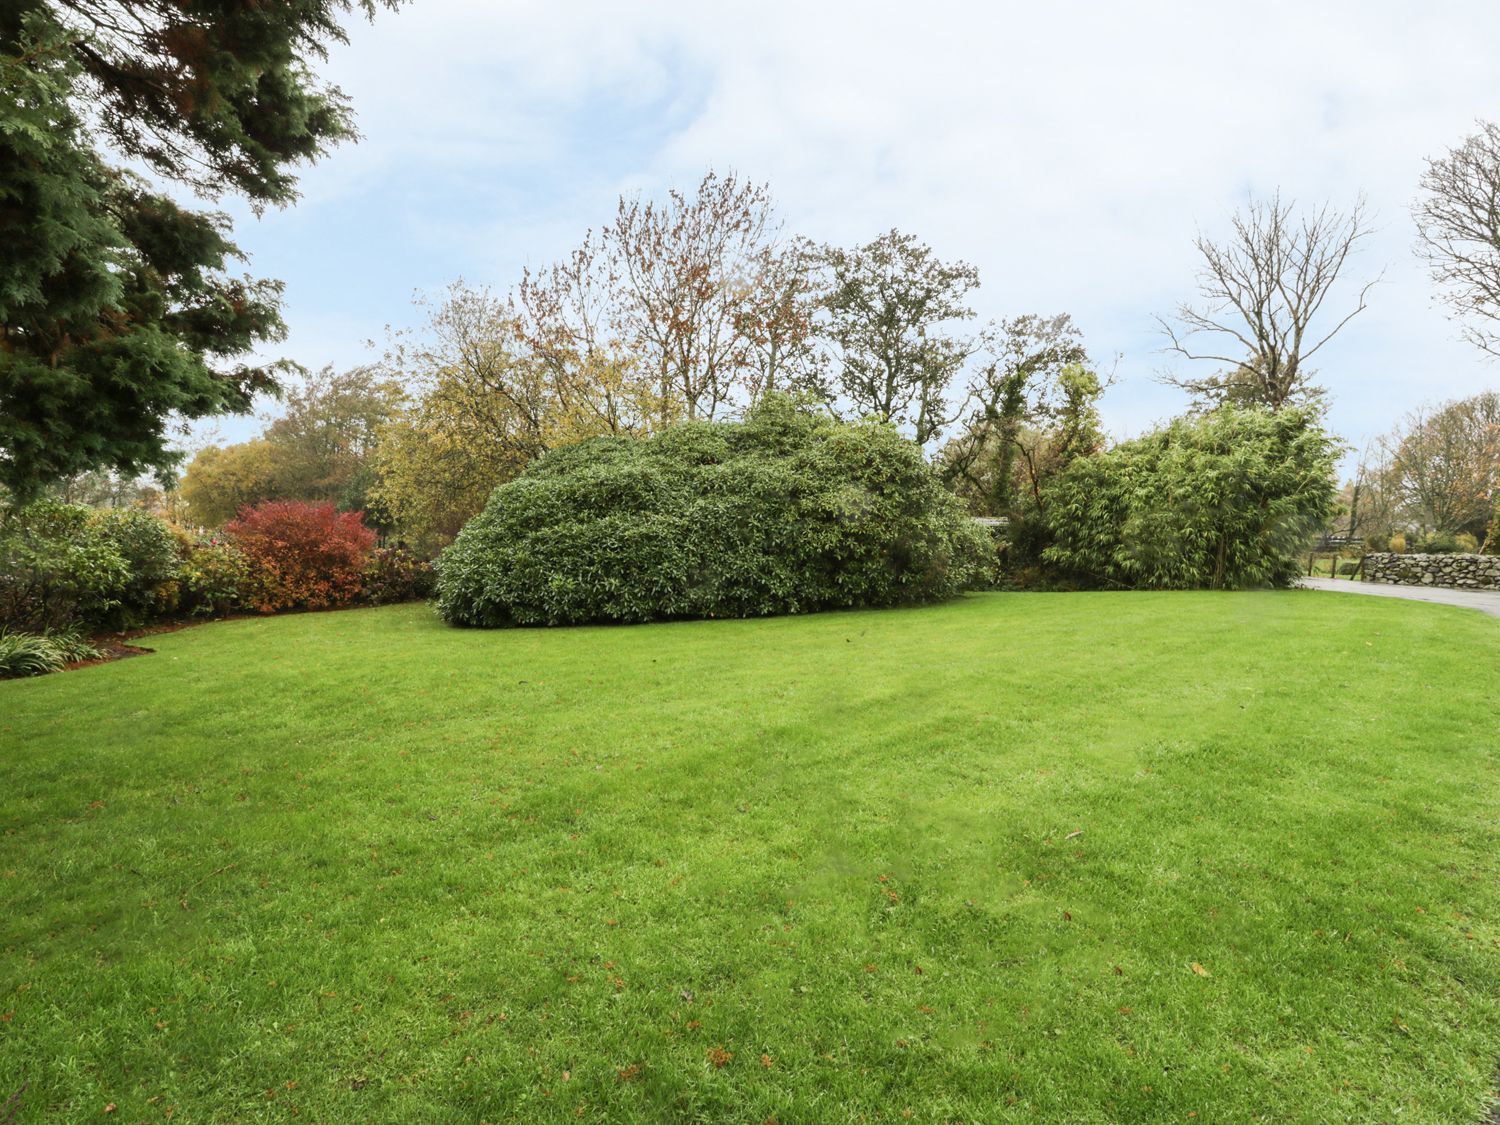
1070	151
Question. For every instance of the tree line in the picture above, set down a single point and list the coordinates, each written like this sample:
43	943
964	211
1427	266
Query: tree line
121	313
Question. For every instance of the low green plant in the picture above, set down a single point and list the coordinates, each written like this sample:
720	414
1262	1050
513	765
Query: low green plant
35	654
217	579
1436	543
786	512
395	574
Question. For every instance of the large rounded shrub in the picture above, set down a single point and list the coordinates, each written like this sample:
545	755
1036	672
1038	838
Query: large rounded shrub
786	512
59	568
1223	500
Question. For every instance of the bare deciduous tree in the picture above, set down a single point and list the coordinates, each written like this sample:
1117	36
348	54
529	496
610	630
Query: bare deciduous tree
1370	502
778	322
1458	224
1265	289
567	318
676	309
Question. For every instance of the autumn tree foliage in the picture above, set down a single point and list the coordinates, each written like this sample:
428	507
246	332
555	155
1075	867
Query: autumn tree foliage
220	480
680	309
692	272
319	449
438	461
312	556
323	439
1442	465
121	308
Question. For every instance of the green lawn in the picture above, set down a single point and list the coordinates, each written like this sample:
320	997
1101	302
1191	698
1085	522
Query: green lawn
1081	858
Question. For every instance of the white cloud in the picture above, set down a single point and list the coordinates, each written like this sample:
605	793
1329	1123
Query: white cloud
1070	150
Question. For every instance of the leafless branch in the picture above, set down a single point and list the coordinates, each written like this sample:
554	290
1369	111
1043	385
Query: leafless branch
1458	228
1265	289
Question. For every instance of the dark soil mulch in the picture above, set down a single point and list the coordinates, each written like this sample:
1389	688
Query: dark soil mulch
109	648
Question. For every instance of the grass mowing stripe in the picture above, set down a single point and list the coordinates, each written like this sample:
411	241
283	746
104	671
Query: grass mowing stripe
1093	857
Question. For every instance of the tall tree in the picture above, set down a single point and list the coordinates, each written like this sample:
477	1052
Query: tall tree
323	440
566	316
891	312
1370	503
118	309
438	462
1458	221
1445	464
495	384
1264	290
1036	393
221	480
686	272
778	320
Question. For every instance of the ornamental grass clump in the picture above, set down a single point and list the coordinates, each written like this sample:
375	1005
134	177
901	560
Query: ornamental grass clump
785	512
35	654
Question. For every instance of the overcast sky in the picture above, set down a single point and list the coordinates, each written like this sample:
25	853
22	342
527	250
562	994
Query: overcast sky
1070	151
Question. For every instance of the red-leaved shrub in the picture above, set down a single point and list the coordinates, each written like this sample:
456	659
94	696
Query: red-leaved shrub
312	555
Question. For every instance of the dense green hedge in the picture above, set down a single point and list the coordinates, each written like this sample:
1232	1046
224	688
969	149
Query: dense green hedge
786	512
1219	501
65	567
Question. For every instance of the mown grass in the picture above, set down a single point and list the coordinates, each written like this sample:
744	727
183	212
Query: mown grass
1080	858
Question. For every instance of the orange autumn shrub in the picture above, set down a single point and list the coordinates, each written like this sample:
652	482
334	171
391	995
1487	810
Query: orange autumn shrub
311	556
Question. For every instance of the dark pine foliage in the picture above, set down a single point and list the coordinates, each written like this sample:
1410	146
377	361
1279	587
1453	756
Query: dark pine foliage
118	308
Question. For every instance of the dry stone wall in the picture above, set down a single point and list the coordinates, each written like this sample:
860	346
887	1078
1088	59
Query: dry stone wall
1464	572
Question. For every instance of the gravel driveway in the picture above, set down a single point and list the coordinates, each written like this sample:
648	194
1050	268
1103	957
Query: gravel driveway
1486	601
